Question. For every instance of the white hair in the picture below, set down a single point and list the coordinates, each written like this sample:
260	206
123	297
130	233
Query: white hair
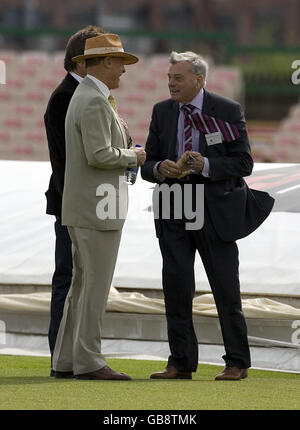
198	65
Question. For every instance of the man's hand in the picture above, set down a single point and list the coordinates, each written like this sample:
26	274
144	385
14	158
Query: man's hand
140	154
169	169
183	164
190	159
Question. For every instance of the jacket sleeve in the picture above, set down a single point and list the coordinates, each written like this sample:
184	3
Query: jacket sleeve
55	129
152	149
96	123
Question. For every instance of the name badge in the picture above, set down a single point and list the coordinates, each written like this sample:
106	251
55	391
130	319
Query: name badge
213	138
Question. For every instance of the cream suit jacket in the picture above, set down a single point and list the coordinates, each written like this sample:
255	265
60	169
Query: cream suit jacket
95	195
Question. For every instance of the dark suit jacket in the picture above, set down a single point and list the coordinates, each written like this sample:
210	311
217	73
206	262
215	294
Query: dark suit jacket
55	128
235	210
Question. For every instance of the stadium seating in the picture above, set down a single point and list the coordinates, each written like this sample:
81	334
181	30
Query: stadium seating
31	77
286	141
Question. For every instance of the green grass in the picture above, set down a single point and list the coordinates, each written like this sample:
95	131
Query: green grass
25	384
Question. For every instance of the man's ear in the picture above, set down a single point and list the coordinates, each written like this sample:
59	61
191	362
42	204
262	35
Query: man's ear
200	81
80	69
107	62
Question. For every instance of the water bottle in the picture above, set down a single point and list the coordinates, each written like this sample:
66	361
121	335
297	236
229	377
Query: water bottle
131	173
192	167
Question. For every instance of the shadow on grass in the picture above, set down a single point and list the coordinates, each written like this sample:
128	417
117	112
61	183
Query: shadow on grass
26	380
34	380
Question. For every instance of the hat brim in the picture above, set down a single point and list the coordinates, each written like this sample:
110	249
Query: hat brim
129	58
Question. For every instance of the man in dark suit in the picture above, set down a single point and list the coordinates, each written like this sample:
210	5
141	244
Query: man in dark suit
55	128
200	138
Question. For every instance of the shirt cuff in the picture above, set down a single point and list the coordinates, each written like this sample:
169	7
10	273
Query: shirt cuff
205	170
156	173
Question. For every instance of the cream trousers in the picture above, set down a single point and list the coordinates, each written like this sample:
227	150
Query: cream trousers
78	343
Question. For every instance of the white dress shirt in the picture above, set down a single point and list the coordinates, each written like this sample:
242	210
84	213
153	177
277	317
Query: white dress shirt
77	77
198	103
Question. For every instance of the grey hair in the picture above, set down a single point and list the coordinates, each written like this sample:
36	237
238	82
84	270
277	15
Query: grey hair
199	65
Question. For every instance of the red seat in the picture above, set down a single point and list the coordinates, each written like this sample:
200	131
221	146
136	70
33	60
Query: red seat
162	96
27	71
147	85
15	83
125	111
13	122
35	136
48	83
5	94
4	136
8	57
58	72
58	59
139	98
159	74
40	123
34	58
293	128
289	141
23	149
24	109
35	96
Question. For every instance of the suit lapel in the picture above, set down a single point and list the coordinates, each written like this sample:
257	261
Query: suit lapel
121	128
172	130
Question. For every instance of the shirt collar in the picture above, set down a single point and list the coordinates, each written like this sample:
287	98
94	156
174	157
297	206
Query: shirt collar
101	85
197	101
77	77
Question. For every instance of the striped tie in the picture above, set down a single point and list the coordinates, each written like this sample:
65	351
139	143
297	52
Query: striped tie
187	110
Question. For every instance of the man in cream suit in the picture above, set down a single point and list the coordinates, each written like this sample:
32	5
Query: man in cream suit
96	156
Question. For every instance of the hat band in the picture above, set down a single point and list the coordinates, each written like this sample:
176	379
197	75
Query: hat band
105	50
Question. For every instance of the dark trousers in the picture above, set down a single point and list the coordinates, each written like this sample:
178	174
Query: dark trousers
61	279
220	260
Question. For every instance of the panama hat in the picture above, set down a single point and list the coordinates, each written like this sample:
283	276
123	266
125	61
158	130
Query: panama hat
105	45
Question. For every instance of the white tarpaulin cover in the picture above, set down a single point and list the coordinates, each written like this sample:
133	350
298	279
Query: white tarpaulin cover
138	303
269	258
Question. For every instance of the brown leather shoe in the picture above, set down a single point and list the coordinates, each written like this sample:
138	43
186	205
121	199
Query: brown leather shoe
105	373
170	372
232	373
